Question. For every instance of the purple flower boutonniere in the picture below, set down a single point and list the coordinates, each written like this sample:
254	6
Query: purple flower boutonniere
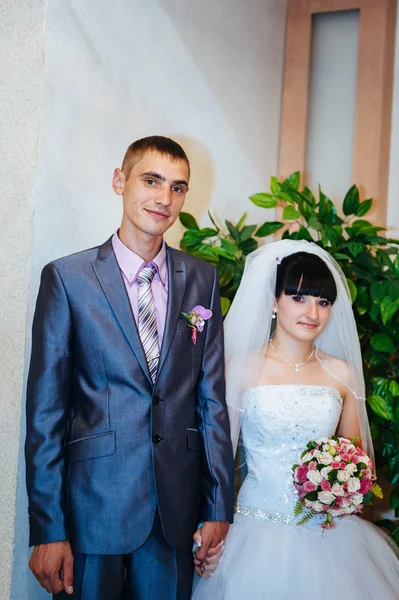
196	320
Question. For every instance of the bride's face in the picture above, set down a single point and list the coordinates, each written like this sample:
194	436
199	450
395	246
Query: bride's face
303	317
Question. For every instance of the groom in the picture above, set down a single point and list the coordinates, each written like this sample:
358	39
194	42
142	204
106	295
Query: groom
128	444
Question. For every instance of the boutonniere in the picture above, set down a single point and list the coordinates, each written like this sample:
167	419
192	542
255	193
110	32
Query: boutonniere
196	320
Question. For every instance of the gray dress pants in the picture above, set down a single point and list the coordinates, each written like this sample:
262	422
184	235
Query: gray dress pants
153	572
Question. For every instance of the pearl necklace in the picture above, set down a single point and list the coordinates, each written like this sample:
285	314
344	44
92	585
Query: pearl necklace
296	366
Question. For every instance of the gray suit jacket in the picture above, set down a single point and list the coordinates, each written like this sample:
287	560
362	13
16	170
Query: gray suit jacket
104	447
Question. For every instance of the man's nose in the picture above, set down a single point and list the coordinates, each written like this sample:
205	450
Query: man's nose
165	197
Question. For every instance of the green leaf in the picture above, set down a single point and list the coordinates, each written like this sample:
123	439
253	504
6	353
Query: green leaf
381	407
246	232
341	256
293	180
352	289
374	430
394	388
351	201
213	221
206	232
268	228
191	239
188	221
225	304
396	266
235	234
302	234
275	185
226	273
291	214
229	248
382	343
356	248
264	200
248	246
241	221
314	223
364	207
308	196
389	307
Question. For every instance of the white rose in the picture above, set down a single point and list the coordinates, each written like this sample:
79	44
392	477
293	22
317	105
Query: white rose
325	458
316	453
333	443
337	489
314	477
353	484
322	441
306	458
317	506
357	499
325	471
326	497
348	510
351	468
343	476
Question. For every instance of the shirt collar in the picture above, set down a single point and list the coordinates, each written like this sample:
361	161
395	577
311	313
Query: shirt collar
131	263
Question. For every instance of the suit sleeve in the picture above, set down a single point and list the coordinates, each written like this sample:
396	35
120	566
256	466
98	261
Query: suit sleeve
218	467
48	392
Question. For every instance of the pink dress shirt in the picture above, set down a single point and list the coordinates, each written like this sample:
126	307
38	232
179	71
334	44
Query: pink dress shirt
130	265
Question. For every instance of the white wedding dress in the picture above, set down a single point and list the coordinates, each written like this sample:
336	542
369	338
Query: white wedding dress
267	556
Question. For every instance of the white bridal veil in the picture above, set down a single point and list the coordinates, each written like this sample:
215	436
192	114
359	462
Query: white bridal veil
248	328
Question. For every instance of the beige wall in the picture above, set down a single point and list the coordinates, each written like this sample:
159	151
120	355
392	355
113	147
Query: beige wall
21	51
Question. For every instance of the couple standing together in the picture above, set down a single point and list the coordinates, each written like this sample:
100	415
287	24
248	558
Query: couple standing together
130	443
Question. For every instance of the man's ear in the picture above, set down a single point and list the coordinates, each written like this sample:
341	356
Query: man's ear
118	181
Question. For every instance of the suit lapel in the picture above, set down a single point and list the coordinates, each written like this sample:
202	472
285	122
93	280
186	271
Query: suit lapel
176	287
109	276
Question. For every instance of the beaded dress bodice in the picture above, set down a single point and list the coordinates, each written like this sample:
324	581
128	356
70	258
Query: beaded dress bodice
279	421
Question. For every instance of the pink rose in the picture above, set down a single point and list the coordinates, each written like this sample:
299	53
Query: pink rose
312	466
309	486
355	459
301	473
335	464
346	457
365	485
343	465
325	485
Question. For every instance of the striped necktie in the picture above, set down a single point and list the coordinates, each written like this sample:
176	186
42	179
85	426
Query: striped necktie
148	330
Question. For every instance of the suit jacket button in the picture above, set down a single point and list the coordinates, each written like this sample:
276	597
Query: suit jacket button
156	400
156	438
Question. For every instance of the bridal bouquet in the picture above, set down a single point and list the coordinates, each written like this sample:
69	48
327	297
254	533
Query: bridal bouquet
333	479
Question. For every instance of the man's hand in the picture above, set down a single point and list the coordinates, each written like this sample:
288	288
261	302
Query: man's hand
212	534
52	565
206	567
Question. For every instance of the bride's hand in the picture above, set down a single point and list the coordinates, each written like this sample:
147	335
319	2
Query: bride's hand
206	567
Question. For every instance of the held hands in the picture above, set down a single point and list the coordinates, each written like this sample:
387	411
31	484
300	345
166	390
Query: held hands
52	565
210	545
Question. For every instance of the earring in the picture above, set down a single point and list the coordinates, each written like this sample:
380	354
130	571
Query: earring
274	313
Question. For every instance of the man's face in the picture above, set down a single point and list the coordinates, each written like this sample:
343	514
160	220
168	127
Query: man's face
154	192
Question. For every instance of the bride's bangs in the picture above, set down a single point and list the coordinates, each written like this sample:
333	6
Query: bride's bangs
305	274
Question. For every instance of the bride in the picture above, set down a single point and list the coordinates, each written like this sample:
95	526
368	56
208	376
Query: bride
294	374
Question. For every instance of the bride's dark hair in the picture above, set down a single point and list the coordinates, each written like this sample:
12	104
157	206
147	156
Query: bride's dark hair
305	274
